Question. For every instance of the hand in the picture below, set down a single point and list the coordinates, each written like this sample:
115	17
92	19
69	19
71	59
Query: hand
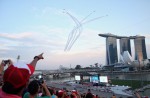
44	84
6	62
2	63
40	56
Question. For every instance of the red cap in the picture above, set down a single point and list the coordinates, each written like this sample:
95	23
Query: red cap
60	93
16	76
74	91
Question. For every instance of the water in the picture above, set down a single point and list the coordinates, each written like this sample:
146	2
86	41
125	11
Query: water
64	79
50	79
145	77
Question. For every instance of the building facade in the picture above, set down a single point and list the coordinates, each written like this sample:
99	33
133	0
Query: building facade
125	45
140	48
111	50
111	47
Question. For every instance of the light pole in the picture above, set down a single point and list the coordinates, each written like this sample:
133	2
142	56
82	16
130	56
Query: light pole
18	58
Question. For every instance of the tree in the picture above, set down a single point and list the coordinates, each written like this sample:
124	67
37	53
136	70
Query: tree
91	65
96	64
78	67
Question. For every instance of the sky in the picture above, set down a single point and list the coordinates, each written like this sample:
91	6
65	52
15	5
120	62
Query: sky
31	27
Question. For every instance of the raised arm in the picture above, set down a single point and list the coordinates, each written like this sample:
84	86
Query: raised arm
36	58
46	89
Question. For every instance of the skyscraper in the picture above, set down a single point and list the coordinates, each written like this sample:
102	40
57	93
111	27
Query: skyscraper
125	45
140	48
111	48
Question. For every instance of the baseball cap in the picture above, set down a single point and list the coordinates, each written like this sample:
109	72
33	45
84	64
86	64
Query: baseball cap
74	91
18	74
60	93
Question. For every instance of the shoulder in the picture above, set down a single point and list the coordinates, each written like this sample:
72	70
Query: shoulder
26	95
89	94
53	96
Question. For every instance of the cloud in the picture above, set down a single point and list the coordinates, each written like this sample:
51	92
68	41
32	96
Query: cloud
15	35
84	58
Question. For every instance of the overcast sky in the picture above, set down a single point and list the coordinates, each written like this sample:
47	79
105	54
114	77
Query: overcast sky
30	27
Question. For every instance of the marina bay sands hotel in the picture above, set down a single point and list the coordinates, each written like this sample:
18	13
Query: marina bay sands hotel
111	47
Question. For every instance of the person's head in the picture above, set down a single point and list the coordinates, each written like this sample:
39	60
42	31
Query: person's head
72	95
52	91
33	87
15	79
113	94
89	90
56	92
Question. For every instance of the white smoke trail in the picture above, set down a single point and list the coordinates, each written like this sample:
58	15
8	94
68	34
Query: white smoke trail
77	30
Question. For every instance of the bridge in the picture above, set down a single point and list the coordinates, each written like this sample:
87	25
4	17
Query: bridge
97	70
129	75
51	72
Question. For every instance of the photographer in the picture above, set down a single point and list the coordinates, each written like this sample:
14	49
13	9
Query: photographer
34	88
16	77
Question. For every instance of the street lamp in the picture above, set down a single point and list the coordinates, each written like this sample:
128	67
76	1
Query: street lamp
18	58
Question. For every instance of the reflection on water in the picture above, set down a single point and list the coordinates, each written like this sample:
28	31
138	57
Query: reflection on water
62	79
57	79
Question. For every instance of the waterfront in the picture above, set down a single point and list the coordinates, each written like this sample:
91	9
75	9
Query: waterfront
129	75
64	79
116	76
104	92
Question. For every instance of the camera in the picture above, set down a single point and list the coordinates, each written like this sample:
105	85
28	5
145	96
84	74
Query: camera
5	62
40	79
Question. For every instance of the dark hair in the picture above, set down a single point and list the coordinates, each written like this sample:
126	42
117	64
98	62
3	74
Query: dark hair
56	93
33	87
71	96
9	88
51	91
